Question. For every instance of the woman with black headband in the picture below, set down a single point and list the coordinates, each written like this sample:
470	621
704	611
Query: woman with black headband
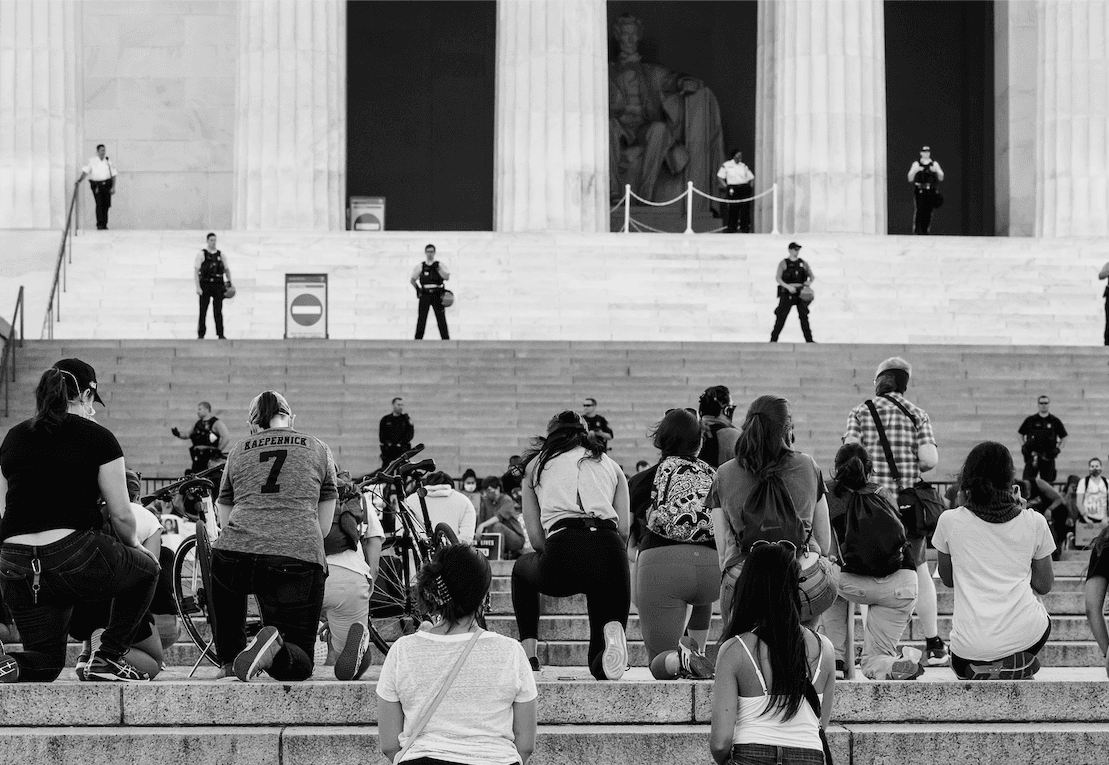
575	502
276	503
453	692
55	555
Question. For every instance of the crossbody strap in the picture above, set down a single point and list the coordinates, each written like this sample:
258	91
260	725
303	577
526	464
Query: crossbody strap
895	474
429	710
904	409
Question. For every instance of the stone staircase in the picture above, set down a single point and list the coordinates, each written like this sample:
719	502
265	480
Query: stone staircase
604	287
477	403
1062	716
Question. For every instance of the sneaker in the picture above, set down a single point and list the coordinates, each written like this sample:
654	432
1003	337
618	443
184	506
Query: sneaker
614	660
908	667
91	646
1019	666
841	669
117	670
534	662
81	665
258	656
692	662
937	652
355	657
9	669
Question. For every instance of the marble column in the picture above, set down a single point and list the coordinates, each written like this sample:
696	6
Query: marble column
39	58
1015	71
290	126
821	115
1072	119
551	132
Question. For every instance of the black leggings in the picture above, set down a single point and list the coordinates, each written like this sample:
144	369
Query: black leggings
573	562
962	666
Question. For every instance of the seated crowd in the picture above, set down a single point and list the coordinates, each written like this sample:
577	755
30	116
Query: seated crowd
727	514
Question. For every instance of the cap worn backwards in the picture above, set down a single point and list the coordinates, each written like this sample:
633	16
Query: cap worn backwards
894	362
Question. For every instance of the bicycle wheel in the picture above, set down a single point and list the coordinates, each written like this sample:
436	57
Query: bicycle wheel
393	609
190	594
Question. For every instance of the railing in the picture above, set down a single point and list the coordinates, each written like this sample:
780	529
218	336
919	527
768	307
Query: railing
687	195
7	356
54	305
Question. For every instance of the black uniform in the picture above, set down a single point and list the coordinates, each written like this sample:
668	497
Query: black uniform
597	422
796	272
431	296
1041	445
926	197
204	449
212	287
395	434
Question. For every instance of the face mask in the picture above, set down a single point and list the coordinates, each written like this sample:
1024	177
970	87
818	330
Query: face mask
87	411
469	486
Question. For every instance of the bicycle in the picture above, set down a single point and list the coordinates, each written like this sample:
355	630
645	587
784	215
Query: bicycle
410	543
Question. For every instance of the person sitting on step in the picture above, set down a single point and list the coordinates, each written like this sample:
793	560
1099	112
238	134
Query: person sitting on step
488	710
997	556
576	511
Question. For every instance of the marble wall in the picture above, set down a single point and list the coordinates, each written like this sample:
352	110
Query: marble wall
158	90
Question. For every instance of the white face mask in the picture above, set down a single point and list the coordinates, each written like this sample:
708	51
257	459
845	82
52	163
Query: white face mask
87	411
469	486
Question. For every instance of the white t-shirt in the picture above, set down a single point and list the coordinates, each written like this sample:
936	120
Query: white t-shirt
996	611
1094	497
146	525
473	724
572	486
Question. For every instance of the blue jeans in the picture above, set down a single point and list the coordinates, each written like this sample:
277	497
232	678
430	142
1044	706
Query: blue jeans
762	754
290	596
82	567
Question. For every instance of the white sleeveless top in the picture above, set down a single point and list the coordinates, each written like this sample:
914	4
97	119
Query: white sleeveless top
574	486
754	725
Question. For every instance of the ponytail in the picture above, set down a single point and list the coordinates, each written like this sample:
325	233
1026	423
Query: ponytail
265	407
853	466
51	399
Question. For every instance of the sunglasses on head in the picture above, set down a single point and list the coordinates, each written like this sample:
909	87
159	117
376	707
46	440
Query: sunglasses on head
784	544
684	408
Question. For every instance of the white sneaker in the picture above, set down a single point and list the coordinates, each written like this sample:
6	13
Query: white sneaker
614	660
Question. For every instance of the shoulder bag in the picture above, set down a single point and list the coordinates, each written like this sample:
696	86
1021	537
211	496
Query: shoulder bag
429	710
919	505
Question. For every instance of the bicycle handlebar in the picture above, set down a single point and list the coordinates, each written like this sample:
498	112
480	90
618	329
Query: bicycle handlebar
170	489
427	466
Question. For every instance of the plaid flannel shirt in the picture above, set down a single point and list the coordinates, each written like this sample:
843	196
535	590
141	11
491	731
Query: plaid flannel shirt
903	437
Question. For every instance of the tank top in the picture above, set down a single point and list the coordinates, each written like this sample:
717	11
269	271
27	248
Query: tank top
754	724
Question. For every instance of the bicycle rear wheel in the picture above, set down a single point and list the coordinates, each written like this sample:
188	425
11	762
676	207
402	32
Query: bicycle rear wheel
190	594
393	609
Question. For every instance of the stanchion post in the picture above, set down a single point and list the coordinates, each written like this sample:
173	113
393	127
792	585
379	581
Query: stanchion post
774	208
627	208
689	208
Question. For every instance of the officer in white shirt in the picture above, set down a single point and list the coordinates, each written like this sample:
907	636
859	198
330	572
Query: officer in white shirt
738	181
102	178
925	175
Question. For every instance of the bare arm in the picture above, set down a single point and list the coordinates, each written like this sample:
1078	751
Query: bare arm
371	549
927	457
822	526
913	171
722	532
944	569
532	516
725	703
939	171
326	513
390	722
781	282
524	719
828	665
3	495
622	504
1095	611
1043	575
113	488
224	436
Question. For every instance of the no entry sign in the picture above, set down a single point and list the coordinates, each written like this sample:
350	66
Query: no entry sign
305	305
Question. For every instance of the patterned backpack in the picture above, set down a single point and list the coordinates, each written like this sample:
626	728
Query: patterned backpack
677	509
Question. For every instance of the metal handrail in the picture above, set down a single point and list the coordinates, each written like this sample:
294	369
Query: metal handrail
7	356
54	305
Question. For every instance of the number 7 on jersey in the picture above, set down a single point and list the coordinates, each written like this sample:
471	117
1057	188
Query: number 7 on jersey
271	486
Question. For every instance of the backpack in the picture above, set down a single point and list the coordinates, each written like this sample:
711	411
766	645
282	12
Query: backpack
677	510
710	448
769	515
350	503
874	539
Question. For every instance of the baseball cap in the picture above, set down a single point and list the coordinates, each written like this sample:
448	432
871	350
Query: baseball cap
894	362
926	148
794	246
83	374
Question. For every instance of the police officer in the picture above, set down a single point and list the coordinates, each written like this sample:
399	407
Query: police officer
209	436
793	274
428	278
211	274
925	175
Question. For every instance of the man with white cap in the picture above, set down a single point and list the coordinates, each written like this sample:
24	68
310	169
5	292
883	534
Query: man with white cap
926	176
908	430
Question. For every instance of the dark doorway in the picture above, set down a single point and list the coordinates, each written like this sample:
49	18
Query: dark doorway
940	93
420	85
713	41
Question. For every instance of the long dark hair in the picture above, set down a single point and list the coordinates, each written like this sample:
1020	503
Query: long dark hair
678	434
853	467
766	434
767	604
565	431
454	583
52	399
988	470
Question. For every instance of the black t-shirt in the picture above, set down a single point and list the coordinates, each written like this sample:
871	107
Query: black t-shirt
597	422
1099	556
1042	432
36	461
